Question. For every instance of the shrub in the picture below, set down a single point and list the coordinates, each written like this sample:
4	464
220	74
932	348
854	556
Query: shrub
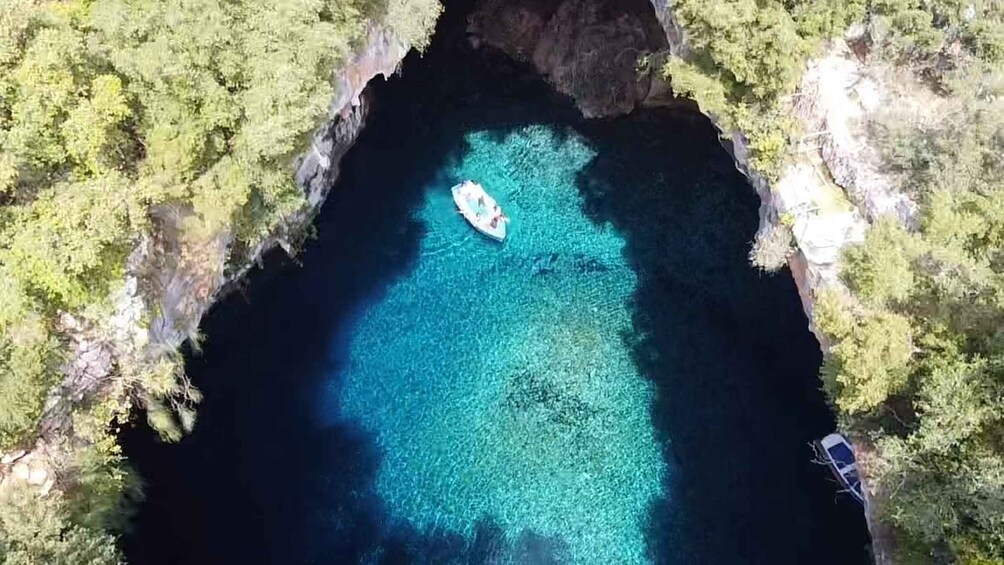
880	270
869	364
773	245
37	529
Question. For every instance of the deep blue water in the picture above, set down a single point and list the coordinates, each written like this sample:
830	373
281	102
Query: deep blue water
612	385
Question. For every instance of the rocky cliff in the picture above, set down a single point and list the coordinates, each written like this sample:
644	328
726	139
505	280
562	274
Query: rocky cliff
173	278
603	55
599	52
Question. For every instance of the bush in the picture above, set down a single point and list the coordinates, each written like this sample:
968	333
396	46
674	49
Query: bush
880	270
869	359
412	20
36	529
773	245
108	109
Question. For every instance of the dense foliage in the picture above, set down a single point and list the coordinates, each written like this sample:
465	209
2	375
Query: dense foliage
112	107
37	530
109	109
917	362
747	55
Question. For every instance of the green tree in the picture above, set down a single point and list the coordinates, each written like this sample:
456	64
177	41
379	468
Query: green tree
869	359
881	269
36	529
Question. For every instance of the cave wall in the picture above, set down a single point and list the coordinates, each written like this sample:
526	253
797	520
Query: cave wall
588	49
171	280
834	183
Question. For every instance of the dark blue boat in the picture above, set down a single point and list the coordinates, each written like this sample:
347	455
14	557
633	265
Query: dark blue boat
840	458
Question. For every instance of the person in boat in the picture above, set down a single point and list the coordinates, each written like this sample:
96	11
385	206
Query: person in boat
497	217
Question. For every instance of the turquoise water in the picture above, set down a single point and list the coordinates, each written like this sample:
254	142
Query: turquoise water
495	377
613	384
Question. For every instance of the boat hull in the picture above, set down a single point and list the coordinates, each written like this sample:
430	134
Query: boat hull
839	457
478	208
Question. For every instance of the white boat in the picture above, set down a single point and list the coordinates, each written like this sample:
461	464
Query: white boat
839	457
480	209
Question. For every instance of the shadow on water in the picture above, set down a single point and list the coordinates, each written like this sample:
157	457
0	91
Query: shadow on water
729	353
260	481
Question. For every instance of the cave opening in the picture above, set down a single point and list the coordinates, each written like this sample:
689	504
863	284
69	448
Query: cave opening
614	384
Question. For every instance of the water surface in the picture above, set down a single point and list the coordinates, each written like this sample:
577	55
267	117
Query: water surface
613	384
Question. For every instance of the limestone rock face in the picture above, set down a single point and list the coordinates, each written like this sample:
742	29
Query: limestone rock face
172	280
23	467
839	94
588	49
675	34
192	284
317	169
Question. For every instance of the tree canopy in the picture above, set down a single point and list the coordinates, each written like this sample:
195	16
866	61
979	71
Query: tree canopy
109	109
935	409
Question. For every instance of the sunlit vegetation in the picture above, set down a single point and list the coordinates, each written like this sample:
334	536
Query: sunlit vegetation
112	107
36	529
75	523
109	108
748	55
772	246
916	357
917	365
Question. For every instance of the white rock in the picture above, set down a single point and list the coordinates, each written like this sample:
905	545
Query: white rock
12	457
38	476
21	471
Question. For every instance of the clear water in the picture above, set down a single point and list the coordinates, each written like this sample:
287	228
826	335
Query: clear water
496	378
613	384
